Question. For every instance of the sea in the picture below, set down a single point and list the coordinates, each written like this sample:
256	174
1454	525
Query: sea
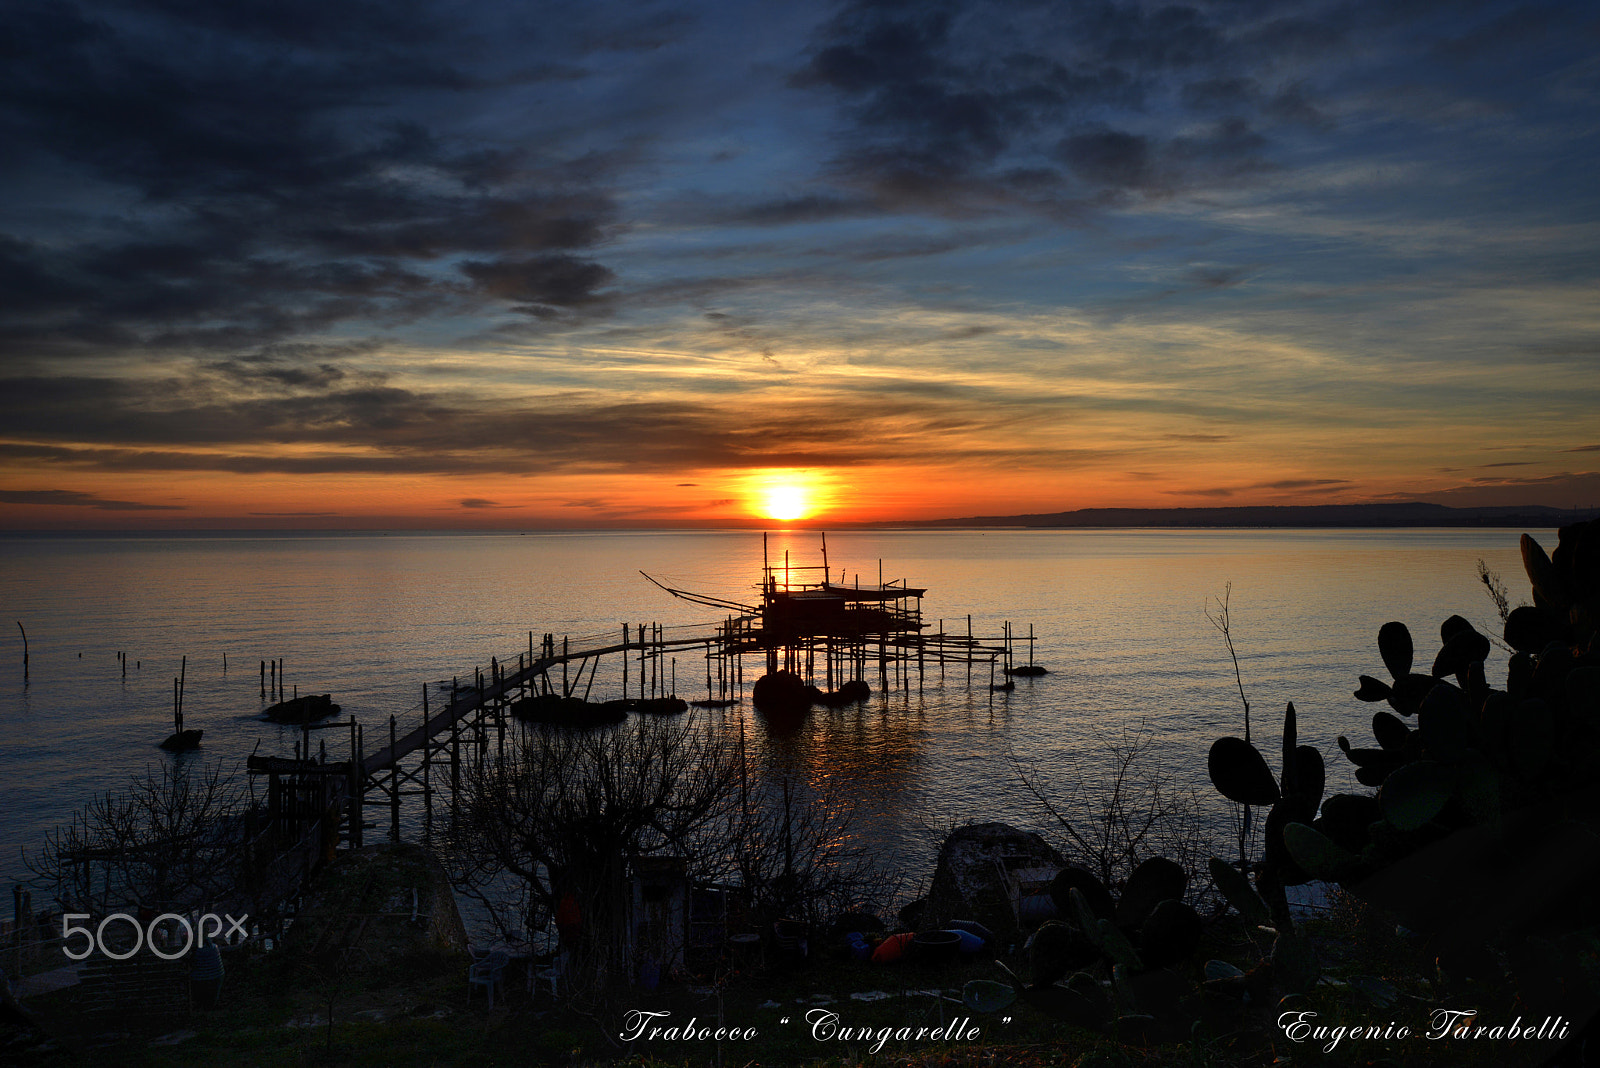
1124	622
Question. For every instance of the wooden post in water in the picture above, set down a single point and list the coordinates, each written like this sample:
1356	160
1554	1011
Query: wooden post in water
455	759
353	785
427	787
361	764
25	654
394	784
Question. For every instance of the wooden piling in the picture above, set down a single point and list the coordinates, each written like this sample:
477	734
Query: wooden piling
394	784
353	786
427	752
969	649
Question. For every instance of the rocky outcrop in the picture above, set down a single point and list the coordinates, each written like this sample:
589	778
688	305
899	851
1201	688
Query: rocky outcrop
985	873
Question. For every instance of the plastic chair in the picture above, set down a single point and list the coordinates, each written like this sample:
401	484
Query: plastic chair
552	977
486	973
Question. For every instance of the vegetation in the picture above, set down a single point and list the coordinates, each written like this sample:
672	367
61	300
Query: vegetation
1483	836
170	841
1464	888
568	817
1119	811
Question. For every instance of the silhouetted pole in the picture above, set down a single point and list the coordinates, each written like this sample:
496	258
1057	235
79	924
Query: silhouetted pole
353	786
24	653
427	787
394	785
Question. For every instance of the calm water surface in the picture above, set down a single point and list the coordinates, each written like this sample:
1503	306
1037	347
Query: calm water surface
1118	617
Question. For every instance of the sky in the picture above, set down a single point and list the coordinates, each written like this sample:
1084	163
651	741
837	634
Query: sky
532	265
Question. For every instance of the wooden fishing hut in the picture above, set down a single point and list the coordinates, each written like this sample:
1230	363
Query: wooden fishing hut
806	614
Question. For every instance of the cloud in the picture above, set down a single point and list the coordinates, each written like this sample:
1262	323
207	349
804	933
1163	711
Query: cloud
473	238
77	499
810	208
941	106
1567	489
279	171
1305	483
539	285
340	421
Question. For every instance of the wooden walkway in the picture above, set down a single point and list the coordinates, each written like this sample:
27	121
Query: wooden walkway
472	701
381	778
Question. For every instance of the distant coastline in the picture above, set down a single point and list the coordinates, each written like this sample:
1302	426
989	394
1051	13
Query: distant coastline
1407	514
1419	514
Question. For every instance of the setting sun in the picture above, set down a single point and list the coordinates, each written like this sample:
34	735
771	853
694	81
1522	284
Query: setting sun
786	503
785	495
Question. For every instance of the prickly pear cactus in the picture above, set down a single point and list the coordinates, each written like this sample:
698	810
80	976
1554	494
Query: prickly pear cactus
1485	823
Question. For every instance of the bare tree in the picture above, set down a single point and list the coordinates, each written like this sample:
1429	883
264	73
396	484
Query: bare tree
1127	811
565	814
170	841
1222	621
796	855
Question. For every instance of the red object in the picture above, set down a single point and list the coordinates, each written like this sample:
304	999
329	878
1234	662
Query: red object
892	948
568	918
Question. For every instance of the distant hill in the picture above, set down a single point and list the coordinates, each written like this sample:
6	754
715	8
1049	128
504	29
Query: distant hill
1408	514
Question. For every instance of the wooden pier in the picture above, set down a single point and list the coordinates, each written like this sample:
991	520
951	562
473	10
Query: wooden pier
825	632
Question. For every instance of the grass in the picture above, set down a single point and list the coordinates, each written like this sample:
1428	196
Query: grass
403	1000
